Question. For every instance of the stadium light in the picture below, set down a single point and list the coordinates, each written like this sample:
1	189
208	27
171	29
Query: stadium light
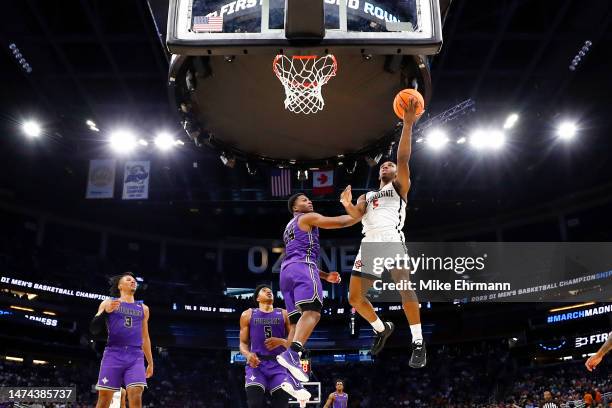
567	130
122	141
511	121
487	139
92	125
164	141
31	128
437	139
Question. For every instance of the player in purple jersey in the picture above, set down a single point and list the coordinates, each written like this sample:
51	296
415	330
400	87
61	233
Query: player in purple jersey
376	218
263	336
300	278
338	398
128	344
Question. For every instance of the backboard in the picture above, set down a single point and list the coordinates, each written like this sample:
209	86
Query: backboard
218	27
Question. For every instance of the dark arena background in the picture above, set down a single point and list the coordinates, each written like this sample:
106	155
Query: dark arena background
135	140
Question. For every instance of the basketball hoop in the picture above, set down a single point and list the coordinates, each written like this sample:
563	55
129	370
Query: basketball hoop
303	76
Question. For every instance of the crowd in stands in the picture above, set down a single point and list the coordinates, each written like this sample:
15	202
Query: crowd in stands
474	376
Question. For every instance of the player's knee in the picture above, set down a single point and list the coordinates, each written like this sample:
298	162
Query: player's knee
134	395
104	398
312	315
408	296
356	299
280	399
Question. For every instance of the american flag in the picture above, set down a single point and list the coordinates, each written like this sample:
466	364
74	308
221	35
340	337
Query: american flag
280	180
208	23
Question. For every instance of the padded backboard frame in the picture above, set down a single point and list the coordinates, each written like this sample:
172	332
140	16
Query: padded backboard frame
182	40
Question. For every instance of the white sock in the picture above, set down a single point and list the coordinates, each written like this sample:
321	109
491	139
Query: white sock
417	334
378	325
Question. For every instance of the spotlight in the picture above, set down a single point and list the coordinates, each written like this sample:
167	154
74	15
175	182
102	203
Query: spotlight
164	141
489	139
179	143
90	123
227	160
511	121
302	175
461	140
122	141
437	139
497	138
143	142
567	130
31	128
419	140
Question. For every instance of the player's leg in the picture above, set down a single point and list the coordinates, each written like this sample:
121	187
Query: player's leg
358	288
410	304
255	396
256	383
301	281
110	377
280	399
135	378
134	395
105	397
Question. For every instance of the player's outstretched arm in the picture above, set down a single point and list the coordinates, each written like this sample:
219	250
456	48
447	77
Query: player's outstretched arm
317	220
98	323
595	359
146	341
330	401
355	211
404	148
245	339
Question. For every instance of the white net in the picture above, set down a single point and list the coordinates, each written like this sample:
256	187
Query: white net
303	78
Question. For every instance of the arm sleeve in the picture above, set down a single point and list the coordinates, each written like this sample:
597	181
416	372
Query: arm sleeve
98	324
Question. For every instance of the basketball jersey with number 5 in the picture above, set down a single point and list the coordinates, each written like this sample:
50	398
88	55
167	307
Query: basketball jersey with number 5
125	325
386	210
264	325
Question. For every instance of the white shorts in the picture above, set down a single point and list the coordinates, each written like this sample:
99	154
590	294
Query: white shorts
391	235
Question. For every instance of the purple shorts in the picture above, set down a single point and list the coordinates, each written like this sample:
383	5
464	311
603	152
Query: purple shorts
122	366
269	375
300	284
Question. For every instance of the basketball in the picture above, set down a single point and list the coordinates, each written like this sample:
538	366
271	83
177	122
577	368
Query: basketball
402	97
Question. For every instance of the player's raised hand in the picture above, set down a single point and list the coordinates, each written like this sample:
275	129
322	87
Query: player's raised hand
112	306
333	277
346	197
253	360
410	115
274	342
593	361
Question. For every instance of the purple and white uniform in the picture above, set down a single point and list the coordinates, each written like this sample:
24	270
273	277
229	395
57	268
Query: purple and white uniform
269	375
340	400
299	276
123	359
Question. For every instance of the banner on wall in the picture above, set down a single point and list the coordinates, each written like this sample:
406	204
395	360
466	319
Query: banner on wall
101	179
136	180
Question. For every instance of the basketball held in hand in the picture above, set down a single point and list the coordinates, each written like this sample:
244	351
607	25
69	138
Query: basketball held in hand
401	101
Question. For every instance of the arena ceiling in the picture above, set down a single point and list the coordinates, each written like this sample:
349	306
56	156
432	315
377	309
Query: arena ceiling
103	60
